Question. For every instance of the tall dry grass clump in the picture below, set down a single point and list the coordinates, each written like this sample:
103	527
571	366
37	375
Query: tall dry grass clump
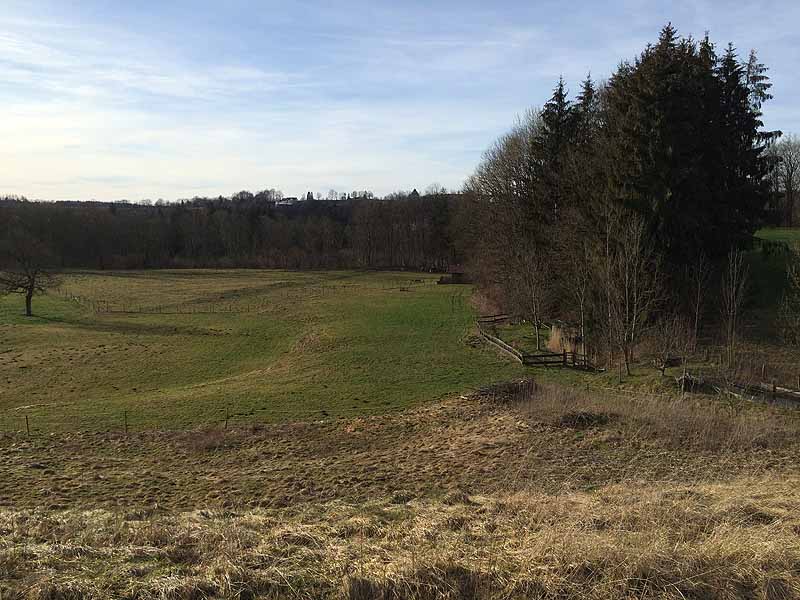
679	422
735	540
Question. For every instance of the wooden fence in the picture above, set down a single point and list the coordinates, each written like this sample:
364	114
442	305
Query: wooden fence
700	379
573	360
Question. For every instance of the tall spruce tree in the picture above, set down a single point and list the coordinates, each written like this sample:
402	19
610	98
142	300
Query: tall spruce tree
550	146
684	145
742	187
585	112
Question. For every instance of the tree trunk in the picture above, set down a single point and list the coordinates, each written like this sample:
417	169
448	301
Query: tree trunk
626	353
28	300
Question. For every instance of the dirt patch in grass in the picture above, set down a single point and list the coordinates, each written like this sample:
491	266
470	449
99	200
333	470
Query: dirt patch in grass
584	419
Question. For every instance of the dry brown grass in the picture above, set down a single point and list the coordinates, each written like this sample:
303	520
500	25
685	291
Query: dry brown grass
522	491
732	540
674	421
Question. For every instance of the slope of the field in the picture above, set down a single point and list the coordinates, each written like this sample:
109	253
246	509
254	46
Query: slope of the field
788	235
183	348
517	492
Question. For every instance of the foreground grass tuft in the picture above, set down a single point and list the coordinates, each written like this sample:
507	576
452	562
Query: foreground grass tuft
737	539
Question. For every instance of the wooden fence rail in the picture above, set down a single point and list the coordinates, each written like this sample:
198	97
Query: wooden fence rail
516	354
493	319
539	359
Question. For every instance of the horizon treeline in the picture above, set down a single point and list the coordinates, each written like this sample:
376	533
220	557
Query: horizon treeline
404	231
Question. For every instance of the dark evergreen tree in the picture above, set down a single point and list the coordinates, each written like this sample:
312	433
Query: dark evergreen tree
742	186
585	113
550	145
684	146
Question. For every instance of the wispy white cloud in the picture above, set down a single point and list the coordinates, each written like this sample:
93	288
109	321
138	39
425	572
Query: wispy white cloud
104	68
170	100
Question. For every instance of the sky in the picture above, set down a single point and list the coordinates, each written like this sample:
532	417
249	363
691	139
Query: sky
111	100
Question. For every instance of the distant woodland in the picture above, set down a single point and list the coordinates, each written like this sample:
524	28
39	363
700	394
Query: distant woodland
408	231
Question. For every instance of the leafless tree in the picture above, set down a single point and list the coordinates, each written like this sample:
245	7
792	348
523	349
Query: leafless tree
698	279
673	337
734	292
578	284
789	312
628	276
509	237
788	174
26	263
435	189
531	285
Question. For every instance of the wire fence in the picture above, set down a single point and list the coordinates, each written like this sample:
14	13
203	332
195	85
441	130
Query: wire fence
32	421
100	303
51	418
41	421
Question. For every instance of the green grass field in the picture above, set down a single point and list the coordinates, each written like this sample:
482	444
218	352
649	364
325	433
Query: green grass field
779	234
260	345
577	485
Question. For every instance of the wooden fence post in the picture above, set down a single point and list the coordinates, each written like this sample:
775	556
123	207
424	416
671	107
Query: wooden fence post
27	425
125	418
226	418
565	358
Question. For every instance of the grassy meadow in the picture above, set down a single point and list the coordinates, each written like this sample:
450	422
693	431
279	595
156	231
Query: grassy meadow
788	235
366	455
267	346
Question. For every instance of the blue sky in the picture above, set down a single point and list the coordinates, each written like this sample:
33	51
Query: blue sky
152	99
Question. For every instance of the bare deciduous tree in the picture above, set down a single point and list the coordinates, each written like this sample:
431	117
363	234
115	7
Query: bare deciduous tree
673	337
532	286
25	266
787	174
698	278
511	240
578	284
734	292
629	278
789	313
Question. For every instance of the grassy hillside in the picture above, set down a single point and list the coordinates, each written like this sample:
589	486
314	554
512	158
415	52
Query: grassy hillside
259	345
788	235
517	492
